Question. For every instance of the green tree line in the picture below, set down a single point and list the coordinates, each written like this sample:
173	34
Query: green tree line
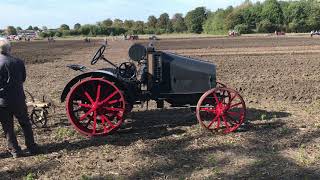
260	17
266	17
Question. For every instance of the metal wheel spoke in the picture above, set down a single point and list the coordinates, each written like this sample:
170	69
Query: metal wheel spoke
218	124
94	122
233	119
89	97
215	97
86	114
213	120
226	122
224	96
114	109
105	130
235	105
234	113
115	101
98	93
235	95
108	121
109	97
84	105
208	110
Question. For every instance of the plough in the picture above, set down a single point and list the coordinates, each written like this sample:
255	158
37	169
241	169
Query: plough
39	109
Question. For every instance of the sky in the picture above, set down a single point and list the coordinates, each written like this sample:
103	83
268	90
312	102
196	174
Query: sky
53	13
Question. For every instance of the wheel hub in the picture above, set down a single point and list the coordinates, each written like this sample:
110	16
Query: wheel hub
95	106
220	109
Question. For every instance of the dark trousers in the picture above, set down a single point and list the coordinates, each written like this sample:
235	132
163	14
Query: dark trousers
6	119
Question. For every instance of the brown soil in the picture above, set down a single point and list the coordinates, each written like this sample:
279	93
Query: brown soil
278	77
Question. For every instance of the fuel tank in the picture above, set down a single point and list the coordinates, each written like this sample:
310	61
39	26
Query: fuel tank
185	75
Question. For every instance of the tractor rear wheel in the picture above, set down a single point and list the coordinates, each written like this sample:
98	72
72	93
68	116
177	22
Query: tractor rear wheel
221	110
95	107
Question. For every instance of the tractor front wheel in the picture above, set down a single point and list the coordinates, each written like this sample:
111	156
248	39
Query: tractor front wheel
221	109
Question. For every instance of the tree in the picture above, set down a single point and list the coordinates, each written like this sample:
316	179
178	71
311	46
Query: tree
233	19
118	23
77	26
19	28
313	21
163	21
215	23
265	26
301	16
64	27
66	33
36	28
11	30
138	27
85	29
58	34
128	24
195	19
178	23
107	23
30	28
272	11
152	22
242	29
43	34
169	28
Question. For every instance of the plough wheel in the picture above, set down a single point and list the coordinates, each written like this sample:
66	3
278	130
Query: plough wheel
37	116
221	110
95	107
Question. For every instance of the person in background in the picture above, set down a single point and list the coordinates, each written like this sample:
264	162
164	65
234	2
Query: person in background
12	101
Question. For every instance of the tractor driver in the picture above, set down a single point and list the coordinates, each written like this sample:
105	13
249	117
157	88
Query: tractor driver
12	101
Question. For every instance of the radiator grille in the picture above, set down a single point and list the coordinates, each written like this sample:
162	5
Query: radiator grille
157	68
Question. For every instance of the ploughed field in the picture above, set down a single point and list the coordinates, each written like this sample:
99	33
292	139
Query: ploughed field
279	78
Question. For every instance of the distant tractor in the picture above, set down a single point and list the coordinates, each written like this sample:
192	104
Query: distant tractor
133	37
87	40
154	38
279	33
18	38
315	33
233	33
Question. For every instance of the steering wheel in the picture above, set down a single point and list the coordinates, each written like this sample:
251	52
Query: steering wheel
98	55
127	70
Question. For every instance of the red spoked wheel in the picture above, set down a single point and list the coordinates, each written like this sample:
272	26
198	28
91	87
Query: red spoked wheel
221	110
95	106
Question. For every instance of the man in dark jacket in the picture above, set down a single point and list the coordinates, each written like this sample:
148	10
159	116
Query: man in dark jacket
12	100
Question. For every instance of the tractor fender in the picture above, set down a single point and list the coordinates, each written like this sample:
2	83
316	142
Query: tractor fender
99	73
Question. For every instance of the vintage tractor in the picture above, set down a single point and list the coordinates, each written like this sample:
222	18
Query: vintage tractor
233	33
132	37
97	101
315	33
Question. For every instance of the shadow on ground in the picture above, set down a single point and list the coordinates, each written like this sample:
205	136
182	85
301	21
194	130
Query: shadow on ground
178	160
25	172
152	124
